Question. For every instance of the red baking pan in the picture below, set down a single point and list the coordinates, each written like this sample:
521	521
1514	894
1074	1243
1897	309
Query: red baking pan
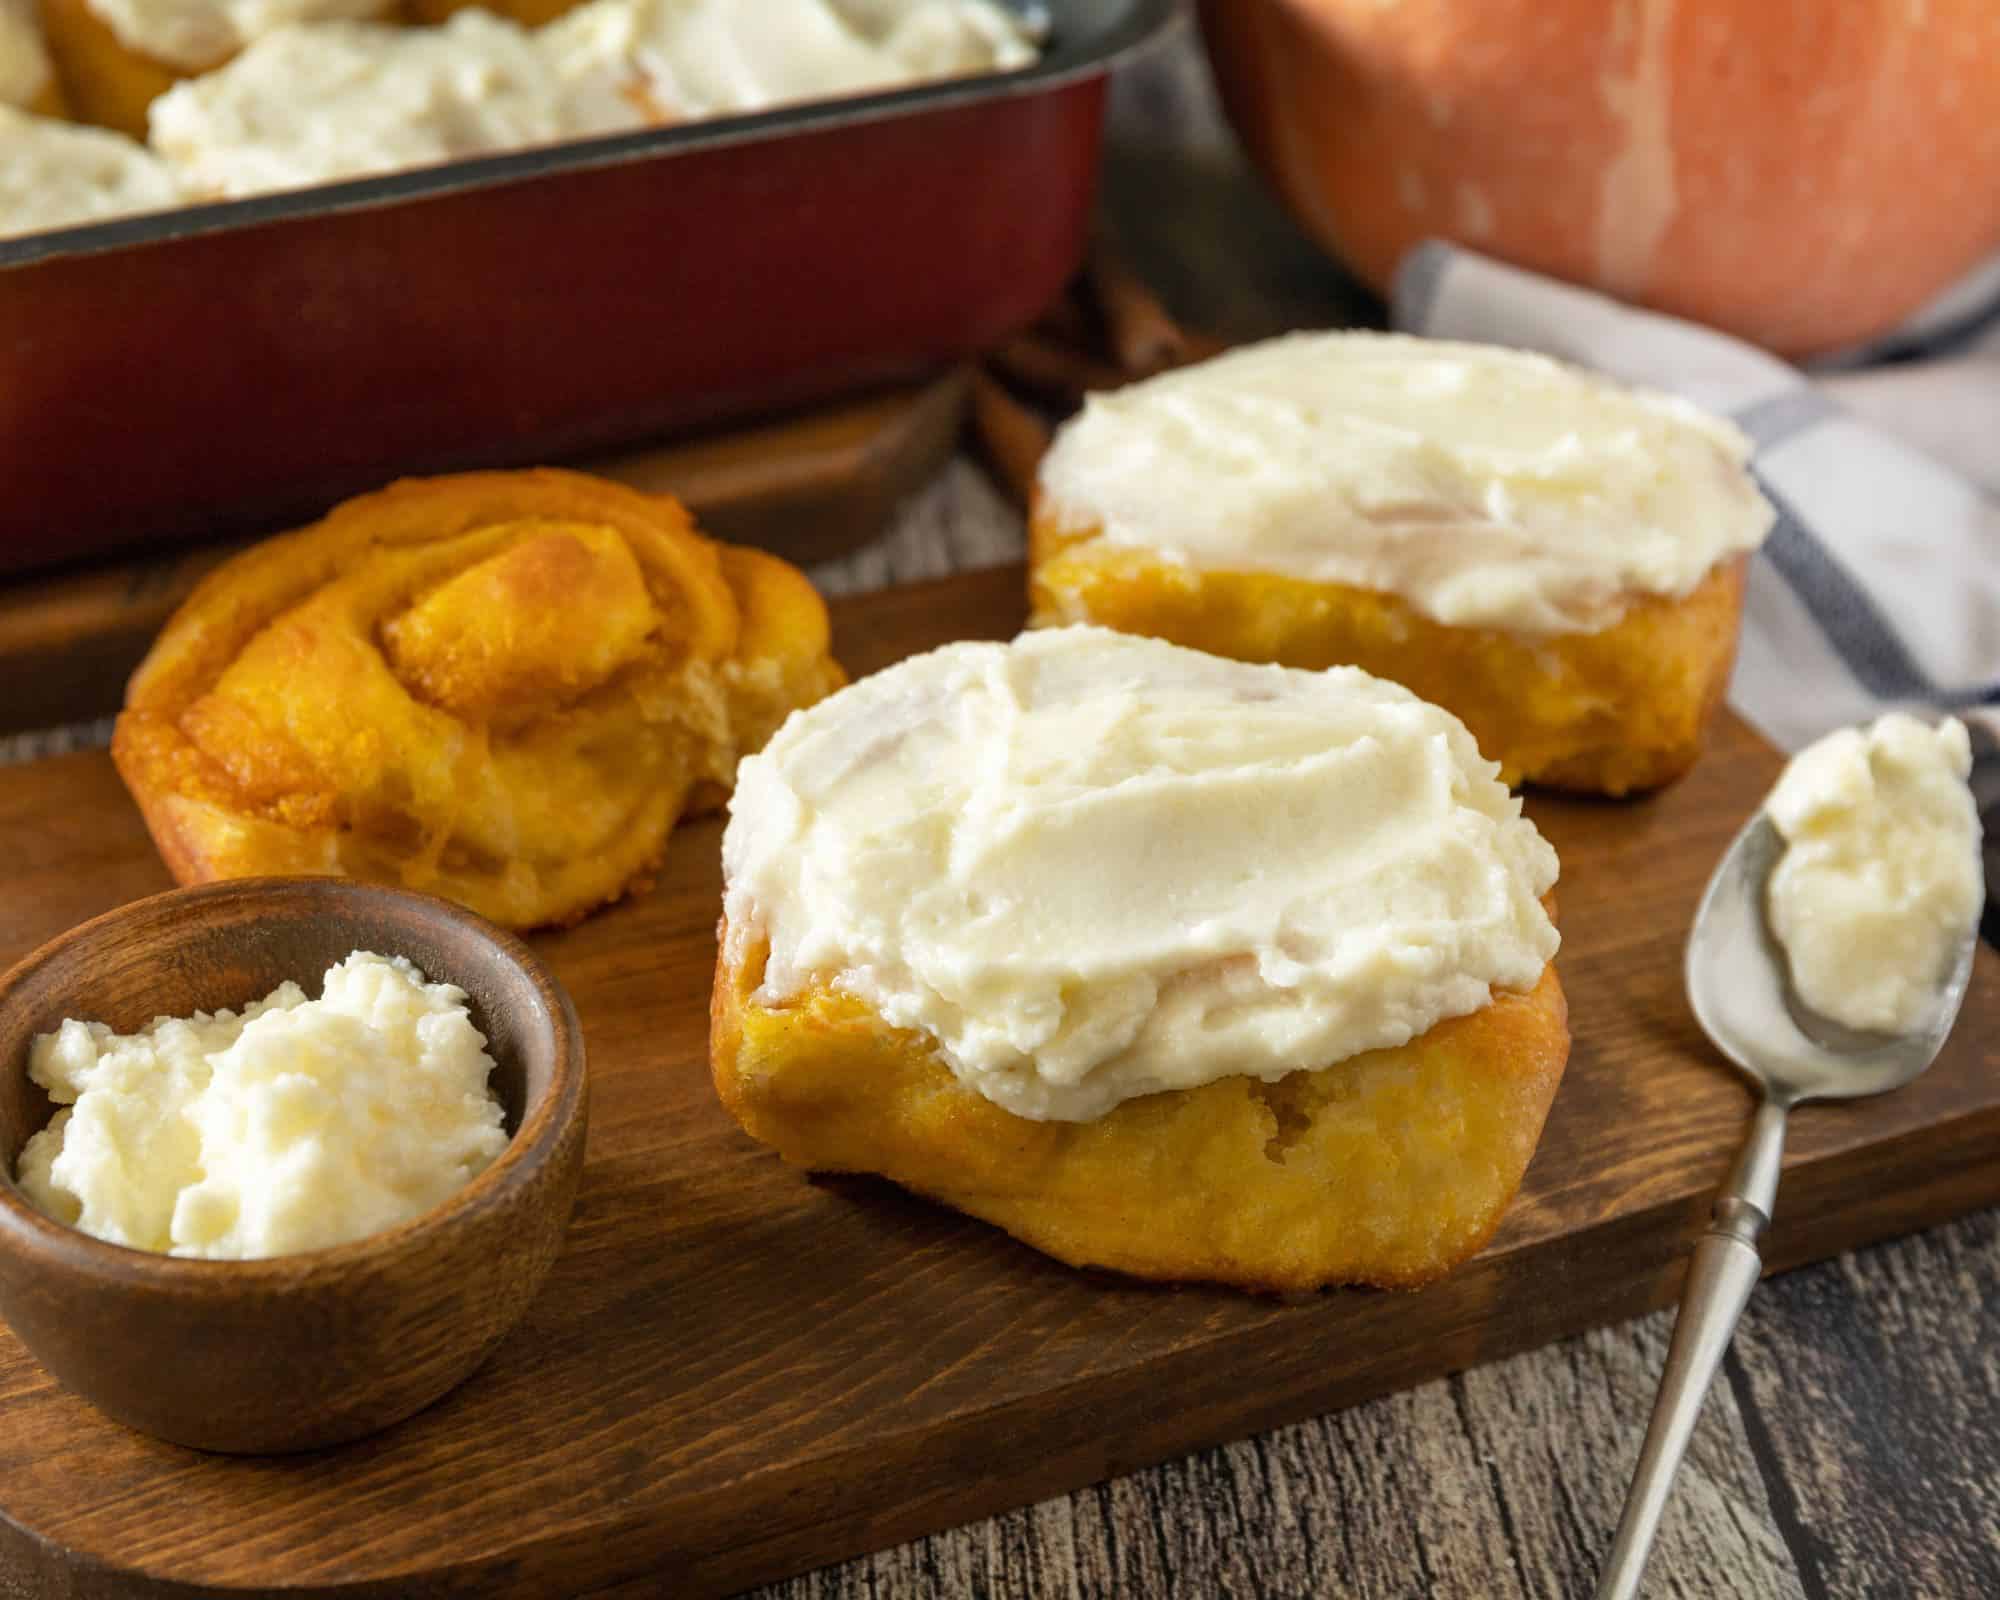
231	366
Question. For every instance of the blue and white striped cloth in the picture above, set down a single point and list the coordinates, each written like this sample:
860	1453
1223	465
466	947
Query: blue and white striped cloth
1880	585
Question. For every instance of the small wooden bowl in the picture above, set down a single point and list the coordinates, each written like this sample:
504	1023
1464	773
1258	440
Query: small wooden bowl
294	1351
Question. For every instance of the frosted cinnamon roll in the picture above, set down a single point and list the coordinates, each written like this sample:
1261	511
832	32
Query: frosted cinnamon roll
1553	557
116	57
323	102
1165	963
689	59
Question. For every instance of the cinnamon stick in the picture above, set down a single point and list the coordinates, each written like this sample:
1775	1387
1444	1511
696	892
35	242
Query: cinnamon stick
1011	436
1072	321
1038	363
1198	346
1144	336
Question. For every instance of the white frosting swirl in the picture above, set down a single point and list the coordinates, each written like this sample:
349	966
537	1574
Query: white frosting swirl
1486	487
54	174
1093	866
706	58
315	104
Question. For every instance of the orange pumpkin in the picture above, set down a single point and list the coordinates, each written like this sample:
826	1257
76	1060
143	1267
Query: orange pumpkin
1804	175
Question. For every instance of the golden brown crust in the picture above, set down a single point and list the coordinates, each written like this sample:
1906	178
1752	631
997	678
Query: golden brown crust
103	80
1389	1168
1622	709
500	687
529	13
783	657
49	101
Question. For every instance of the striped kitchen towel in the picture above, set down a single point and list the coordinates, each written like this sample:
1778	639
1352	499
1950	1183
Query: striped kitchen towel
1880	585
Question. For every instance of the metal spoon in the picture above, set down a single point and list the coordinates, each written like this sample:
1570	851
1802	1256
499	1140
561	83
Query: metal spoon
1741	991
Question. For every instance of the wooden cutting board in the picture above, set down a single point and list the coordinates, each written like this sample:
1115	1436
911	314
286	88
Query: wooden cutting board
736	1372
811	486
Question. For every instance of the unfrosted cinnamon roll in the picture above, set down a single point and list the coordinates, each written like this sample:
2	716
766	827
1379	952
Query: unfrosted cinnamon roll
500	687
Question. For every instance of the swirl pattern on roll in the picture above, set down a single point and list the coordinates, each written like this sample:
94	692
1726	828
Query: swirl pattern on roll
501	687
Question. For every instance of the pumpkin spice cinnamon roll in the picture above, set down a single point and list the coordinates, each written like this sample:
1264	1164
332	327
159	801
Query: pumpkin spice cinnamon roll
501	687
1554	558
1184	967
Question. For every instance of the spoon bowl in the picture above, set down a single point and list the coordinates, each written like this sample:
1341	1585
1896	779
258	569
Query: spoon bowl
1739	984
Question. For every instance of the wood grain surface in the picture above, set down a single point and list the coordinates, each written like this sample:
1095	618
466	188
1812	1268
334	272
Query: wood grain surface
812	487
736	1372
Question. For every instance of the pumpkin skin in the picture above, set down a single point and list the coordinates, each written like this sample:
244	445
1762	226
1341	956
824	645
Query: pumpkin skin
1804	175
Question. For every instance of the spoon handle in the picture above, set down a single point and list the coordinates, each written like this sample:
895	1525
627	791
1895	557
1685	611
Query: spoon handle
1720	1277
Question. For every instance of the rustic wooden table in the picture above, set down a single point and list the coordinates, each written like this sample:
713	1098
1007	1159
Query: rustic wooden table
1854	1449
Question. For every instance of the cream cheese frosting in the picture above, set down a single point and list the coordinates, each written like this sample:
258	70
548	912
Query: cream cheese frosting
293	1124
24	60
1093	866
1486	487
1880	882
705	58
195	35
944	38
55	174
317	103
